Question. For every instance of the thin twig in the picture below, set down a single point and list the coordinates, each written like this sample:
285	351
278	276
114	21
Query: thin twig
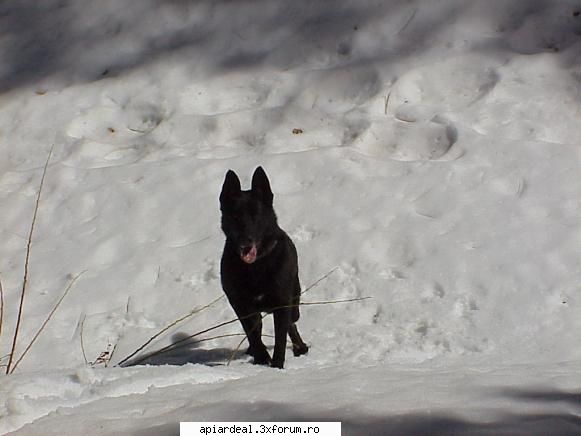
242	341
350	300
9	367
48	318
386	102
211	338
106	356
82	341
409	20
111	355
166	328
231	358
175	344
312	285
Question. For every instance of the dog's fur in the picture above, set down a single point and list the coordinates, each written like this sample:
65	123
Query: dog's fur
259	268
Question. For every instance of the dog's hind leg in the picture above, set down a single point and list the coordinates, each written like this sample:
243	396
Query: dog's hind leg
299	347
296	301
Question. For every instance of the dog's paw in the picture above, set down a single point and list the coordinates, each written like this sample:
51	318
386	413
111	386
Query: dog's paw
262	359
277	364
299	350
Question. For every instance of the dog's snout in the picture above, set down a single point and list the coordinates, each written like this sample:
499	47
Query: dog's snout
247	241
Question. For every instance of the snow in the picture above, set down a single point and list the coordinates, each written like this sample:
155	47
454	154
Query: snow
424	154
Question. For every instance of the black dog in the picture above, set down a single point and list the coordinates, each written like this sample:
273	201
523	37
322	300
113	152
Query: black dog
259	267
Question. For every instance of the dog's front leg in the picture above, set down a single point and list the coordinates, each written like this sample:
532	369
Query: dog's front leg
253	328
281	326
251	321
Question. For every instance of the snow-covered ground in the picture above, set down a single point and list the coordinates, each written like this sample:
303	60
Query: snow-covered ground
425	153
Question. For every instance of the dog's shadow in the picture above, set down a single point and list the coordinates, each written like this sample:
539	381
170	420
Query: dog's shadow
189	351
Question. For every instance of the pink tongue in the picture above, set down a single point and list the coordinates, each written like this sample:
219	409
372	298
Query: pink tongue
250	256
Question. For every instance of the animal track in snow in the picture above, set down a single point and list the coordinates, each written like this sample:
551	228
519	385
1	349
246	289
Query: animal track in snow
114	124
448	86
510	185
209	273
414	123
406	140
415	120
111	135
436	290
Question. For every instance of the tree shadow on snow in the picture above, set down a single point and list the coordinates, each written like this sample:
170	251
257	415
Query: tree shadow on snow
547	396
410	424
87	41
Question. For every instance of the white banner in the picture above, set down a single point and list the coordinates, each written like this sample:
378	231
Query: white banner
260	428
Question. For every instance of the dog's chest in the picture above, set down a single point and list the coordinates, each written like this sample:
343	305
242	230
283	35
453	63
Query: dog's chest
258	299
263	285
263	291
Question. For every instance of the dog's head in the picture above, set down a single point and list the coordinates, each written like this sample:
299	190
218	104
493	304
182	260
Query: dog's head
248	218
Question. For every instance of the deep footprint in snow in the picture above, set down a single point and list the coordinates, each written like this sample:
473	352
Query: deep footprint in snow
408	138
415	124
449	86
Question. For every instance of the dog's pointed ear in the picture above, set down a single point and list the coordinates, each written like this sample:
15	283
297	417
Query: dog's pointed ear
261	185
231	186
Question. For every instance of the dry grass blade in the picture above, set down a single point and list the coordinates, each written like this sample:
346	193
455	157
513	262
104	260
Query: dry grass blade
166	328
48	318
349	300
228	335
386	103
3	365
25	278
312	285
233	354
110	357
176	344
82	341
181	341
409	20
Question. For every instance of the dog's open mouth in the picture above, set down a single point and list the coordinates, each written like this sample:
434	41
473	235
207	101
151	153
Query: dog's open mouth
248	253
